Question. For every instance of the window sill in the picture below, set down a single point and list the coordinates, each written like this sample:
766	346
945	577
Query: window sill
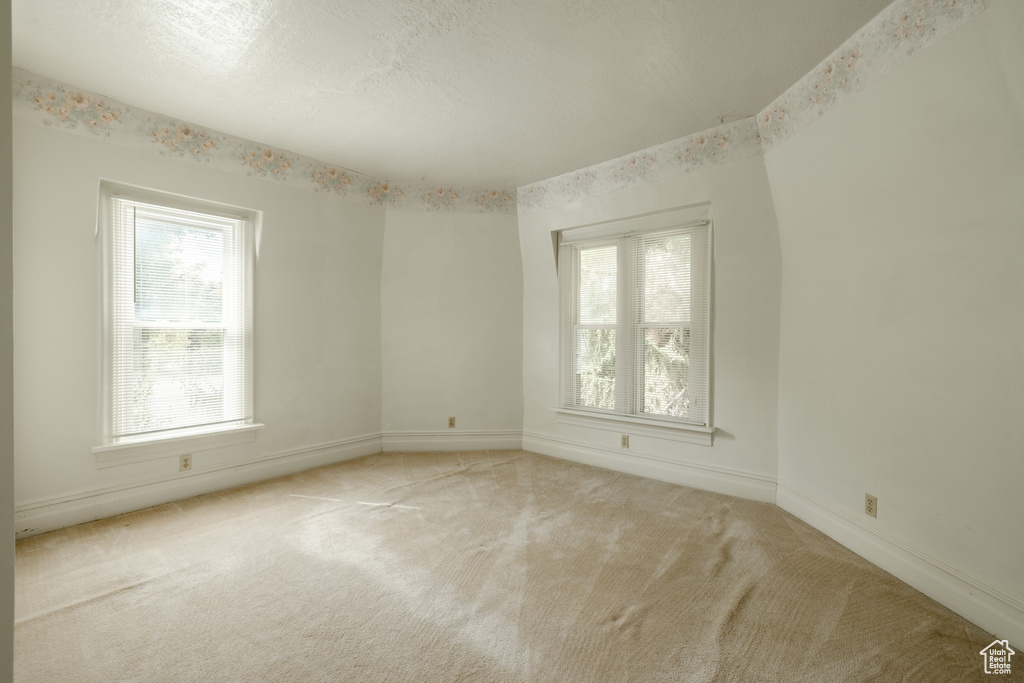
641	426
128	452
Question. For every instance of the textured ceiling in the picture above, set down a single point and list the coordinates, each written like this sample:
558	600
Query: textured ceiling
472	92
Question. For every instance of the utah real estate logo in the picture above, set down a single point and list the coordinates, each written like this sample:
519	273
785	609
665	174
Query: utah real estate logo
997	657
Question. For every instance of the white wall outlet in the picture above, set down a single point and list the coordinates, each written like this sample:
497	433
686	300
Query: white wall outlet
625	440
870	505
451	423
185	462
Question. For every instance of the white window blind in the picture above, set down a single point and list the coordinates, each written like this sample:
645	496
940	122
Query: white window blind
635	320
179	320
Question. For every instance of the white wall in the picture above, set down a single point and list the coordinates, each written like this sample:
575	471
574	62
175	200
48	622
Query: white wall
745	321
451	331
897	297
6	359
317	330
901	215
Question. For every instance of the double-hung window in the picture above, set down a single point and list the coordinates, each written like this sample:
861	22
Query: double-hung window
177	316
635	317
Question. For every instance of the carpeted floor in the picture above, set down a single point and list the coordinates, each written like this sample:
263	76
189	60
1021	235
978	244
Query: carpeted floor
496	566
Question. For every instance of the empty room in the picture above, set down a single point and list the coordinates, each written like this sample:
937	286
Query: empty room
536	340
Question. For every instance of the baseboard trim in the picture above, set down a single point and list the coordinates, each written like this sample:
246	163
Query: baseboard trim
973	598
49	514
452	441
748	485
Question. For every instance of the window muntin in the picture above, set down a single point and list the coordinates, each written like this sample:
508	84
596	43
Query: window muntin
179	317
635	322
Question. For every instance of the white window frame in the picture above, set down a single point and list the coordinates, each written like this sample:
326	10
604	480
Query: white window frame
628	412
116	450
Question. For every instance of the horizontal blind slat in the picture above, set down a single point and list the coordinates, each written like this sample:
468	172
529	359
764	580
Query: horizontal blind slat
667	285
181	337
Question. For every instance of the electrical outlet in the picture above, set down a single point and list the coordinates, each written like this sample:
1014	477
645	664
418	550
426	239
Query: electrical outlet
185	462
625	440
451	423
870	505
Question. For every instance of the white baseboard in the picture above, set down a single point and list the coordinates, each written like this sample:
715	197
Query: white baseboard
973	598
991	608
48	514
748	485
452	440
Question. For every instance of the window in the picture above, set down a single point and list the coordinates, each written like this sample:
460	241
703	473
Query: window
177	316
635	317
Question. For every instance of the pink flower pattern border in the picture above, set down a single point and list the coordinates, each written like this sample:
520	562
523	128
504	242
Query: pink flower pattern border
78	111
888	40
892	37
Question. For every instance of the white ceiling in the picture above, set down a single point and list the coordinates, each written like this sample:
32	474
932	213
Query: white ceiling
494	93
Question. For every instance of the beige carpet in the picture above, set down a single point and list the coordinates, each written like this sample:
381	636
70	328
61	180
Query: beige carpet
497	566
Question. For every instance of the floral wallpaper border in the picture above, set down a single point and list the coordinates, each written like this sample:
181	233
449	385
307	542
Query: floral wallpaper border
723	144
85	113
890	39
896	34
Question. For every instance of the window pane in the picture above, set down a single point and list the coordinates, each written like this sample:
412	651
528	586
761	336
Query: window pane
179	301
179	272
647	280
595	368
667	371
597	295
667	279
178	378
